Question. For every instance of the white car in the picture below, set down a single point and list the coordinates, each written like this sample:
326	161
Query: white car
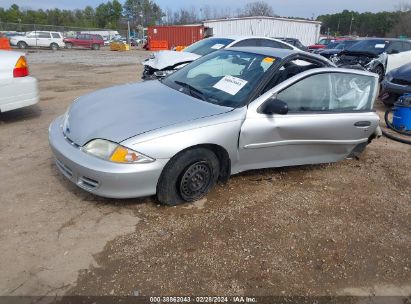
164	63
17	88
52	40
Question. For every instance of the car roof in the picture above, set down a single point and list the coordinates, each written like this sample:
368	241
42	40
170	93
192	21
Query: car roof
267	51
239	37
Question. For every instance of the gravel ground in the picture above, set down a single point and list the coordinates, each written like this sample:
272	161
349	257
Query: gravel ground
337	229
103	57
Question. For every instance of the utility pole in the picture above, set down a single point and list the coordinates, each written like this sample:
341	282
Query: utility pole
352	19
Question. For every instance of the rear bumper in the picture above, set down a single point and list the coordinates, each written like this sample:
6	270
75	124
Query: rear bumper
18	92
99	176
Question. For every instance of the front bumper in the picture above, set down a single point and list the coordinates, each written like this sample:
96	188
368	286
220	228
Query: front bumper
396	89
99	176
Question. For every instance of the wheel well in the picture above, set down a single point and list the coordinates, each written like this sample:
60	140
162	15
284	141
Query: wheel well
223	158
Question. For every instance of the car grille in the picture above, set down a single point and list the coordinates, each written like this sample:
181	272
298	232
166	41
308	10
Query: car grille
64	169
83	181
88	183
401	82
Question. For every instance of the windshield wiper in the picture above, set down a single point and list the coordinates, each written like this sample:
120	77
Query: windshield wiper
193	91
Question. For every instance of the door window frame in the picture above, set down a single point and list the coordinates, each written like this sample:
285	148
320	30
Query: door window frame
254	108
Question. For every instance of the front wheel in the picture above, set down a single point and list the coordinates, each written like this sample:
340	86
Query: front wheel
54	46
95	47
188	177
22	45
69	45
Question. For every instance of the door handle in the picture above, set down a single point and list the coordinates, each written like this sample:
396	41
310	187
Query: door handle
362	124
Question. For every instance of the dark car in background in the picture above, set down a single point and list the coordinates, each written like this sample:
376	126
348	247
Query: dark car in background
335	48
89	41
396	83
321	44
294	42
378	55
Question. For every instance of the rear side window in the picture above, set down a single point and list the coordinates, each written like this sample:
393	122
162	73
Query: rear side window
55	35
247	42
43	35
274	44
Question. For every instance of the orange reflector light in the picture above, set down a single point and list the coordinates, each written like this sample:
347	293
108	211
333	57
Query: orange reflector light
21	68
268	59
123	155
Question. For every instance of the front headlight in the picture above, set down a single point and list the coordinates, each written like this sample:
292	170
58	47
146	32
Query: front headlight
113	152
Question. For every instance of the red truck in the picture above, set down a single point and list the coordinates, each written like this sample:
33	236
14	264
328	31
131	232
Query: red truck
89	41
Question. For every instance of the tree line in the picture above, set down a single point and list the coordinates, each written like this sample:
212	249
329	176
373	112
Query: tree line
382	24
141	13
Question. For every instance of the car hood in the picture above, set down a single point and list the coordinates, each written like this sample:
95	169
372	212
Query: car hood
164	59
17	37
121	112
403	72
359	53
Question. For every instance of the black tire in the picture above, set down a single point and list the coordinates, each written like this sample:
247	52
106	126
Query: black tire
69	45
54	46
379	69
22	45
188	176
95	47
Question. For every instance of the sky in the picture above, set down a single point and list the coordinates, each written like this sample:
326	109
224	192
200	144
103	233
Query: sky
286	8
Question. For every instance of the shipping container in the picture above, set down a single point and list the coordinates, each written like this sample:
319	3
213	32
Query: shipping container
307	31
174	35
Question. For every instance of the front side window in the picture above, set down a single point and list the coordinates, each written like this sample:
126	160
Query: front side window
56	35
335	92
32	35
226	77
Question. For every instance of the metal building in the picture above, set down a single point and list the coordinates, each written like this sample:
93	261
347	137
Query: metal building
307	31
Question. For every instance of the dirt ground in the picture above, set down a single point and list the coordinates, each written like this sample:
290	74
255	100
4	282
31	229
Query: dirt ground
337	229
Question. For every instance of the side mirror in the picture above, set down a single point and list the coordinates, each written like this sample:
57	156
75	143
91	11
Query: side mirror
394	52
274	106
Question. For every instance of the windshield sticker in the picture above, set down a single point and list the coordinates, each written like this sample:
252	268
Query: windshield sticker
230	84
268	60
380	46
217	46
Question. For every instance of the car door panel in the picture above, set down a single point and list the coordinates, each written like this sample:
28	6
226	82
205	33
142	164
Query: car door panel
397	60
299	138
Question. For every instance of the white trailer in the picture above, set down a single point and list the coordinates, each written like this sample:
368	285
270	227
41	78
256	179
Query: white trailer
307	31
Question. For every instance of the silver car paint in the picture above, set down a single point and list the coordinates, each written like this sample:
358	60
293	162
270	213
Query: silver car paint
125	111
252	140
255	140
112	179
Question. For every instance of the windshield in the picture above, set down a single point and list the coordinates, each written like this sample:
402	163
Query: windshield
207	46
225	78
331	45
375	46
345	44
325	41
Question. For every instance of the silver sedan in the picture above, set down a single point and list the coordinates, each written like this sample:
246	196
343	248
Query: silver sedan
227	112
